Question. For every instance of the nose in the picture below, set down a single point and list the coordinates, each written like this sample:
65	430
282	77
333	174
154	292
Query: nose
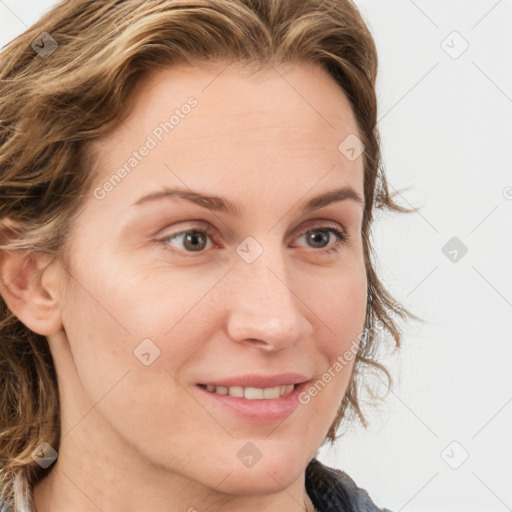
265	311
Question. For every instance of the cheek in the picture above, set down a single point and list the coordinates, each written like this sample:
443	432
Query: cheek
123	393
99	339
115	315
104	326
340	309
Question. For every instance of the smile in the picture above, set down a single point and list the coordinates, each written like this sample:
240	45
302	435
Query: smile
251	393
254	399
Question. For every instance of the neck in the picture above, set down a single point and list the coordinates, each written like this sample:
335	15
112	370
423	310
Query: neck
308	504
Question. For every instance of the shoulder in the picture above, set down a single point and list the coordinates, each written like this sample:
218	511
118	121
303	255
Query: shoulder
332	490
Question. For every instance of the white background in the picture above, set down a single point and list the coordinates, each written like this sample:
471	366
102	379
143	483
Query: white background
446	127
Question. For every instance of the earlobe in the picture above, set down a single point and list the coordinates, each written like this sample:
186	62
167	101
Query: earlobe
32	299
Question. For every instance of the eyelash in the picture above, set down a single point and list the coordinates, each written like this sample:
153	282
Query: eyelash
342	238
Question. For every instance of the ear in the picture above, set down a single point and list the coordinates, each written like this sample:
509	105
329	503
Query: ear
29	287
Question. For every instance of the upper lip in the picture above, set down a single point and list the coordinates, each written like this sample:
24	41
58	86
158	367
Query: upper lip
259	381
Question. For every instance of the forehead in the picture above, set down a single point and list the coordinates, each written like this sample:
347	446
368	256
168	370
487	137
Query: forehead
221	124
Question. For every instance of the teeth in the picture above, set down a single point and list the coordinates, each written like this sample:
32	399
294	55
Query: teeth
221	390
237	391
272	392
251	393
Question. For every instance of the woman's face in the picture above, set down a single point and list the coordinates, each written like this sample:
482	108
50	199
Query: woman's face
169	299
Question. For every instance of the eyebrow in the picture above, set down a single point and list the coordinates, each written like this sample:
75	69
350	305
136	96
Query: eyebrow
221	204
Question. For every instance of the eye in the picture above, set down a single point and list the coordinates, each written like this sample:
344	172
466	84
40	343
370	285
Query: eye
195	240
320	237
192	240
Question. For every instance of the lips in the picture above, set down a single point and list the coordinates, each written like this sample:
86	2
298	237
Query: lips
255	398
259	381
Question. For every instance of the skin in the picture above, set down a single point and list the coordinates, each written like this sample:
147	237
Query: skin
139	437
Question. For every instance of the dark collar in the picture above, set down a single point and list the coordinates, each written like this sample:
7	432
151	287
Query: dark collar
332	490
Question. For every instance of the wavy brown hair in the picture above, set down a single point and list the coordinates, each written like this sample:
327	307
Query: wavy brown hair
53	106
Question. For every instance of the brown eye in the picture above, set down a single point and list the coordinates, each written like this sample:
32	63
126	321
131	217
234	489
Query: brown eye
191	240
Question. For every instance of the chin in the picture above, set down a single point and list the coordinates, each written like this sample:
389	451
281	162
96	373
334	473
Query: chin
265	480
279	465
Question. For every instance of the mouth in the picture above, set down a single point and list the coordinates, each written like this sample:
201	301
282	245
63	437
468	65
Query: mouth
250	393
255	399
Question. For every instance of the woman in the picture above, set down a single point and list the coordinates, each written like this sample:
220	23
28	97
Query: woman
189	299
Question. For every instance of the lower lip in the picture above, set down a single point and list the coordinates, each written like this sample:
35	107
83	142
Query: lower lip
268	410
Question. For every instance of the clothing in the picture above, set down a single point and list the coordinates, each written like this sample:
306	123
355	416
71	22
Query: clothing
332	490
